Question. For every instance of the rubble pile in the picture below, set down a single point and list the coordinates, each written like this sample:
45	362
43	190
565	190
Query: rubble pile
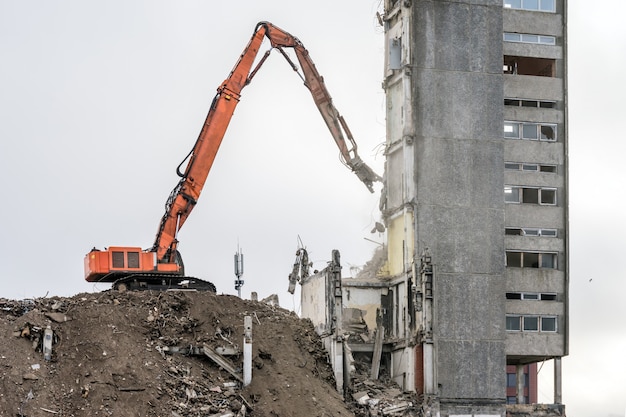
140	354
381	397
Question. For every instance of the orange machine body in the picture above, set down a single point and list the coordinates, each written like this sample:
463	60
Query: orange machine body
105	265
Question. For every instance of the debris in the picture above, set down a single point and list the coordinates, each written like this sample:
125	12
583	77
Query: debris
29	376
58	317
47	343
361	397
222	362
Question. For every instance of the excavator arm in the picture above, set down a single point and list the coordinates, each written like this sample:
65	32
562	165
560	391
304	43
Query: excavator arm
186	193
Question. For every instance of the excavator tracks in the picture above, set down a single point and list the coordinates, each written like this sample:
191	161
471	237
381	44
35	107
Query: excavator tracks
156	282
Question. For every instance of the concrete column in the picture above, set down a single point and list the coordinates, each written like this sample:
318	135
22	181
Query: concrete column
557	381
247	350
429	369
519	373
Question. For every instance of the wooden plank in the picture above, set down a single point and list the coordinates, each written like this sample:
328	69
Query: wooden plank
222	362
378	351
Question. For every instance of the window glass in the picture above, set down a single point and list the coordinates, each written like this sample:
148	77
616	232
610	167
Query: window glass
548	232
512	37
547	104
514	259
531	232
513	296
548	260
529	131
513	323
548	5
511	165
514	4
530	196
548	297
511	380
511	130
548	196
548	132
531	323
529	103
511	194
547	168
531	260
547	40
513	231
530	296
511	102
530	38
548	324
531	4
529	167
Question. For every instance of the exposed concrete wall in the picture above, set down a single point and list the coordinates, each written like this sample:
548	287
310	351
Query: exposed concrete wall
314	301
457	105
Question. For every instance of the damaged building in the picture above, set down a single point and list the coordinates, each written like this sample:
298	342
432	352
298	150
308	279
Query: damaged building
472	278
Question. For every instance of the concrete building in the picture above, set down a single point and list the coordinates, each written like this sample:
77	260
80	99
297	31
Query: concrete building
474	273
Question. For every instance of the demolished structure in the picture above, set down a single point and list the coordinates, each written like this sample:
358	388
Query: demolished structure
473	275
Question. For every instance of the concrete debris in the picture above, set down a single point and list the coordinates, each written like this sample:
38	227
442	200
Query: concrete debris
57	317
380	397
271	300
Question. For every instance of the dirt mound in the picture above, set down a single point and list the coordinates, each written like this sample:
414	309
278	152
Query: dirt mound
112	356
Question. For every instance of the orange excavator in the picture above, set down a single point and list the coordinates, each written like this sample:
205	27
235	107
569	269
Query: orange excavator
161	266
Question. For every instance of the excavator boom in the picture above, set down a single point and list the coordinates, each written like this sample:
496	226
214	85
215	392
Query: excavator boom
183	198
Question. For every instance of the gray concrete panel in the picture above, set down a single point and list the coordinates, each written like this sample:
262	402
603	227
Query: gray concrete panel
532	50
530	243
529	86
458	36
467	178
517	214
464	302
537	280
471	369
462	240
538	23
457	105
532	178
534	151
541	308
533	114
535	344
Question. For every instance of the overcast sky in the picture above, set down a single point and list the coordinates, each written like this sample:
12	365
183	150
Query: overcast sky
100	101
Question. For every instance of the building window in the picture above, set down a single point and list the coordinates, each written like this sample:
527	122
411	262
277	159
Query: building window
523	166
549	296
513	323
532	296
536	5
529	231
531	324
515	194
519	259
529	38
511	380
526	102
524	65
530	131
548	324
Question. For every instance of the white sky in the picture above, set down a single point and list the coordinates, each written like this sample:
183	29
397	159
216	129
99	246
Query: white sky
100	101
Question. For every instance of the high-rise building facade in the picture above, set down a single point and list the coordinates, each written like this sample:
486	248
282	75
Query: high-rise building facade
475	196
